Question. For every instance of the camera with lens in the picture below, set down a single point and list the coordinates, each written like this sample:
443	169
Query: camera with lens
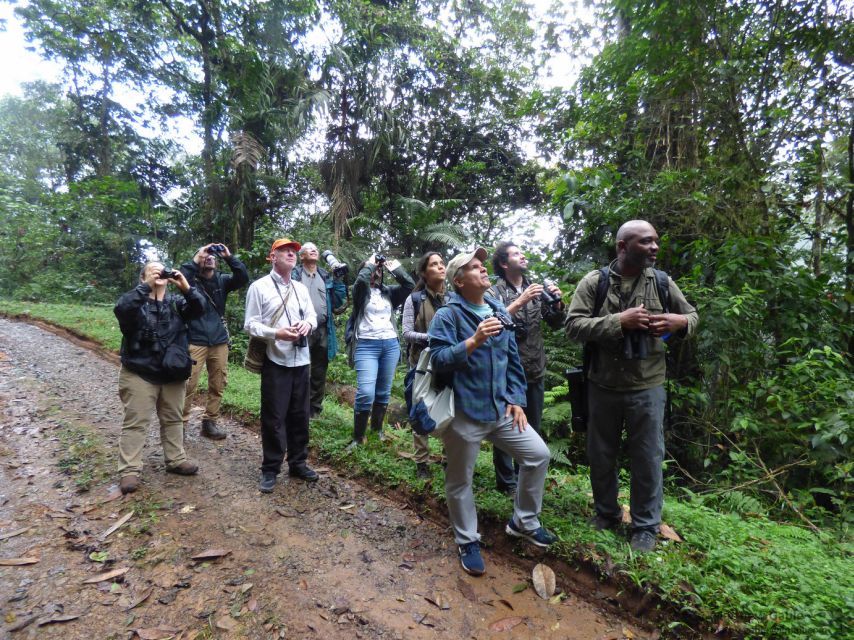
339	269
216	249
379	258
169	274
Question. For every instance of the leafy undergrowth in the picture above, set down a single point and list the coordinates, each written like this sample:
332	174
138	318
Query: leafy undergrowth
749	575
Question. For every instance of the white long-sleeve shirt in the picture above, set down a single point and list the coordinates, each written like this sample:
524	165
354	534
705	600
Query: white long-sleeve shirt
262	300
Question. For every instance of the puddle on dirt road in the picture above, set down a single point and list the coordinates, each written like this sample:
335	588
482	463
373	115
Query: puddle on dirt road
329	560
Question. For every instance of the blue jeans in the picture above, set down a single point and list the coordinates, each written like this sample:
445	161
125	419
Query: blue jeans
375	361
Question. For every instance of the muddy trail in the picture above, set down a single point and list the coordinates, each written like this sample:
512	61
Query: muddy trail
211	557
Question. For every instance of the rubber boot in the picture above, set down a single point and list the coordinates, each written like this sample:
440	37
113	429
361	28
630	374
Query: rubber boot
360	425
377	417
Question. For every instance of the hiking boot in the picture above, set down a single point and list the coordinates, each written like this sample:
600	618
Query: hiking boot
129	484
303	472
211	430
184	469
471	560
604	523
540	536
268	481
422	471
377	418
507	491
643	541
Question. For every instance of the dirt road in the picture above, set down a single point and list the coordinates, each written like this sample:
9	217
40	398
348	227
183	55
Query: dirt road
330	560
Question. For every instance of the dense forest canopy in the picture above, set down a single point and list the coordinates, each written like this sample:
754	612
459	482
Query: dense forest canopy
409	125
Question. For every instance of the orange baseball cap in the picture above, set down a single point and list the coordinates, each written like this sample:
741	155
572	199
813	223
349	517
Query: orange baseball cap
285	242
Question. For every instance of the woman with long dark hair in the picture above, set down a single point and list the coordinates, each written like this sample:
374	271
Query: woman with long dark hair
377	348
418	311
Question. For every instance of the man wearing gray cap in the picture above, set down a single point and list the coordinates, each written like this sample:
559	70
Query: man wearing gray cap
468	340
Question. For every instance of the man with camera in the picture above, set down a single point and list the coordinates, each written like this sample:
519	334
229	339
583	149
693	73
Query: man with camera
626	375
279	311
528	304
209	334
470	341
328	294
155	367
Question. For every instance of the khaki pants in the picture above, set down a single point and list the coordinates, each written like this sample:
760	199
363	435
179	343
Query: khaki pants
140	400
216	359
422	448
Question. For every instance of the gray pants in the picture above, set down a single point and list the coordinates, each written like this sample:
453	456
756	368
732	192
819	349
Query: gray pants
642	412
462	443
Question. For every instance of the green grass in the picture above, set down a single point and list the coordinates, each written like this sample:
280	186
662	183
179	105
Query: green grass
759	578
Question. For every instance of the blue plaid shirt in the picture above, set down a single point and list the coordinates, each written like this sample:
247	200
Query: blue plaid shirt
489	379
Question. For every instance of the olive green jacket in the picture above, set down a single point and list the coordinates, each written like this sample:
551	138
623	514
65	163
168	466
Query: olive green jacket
608	369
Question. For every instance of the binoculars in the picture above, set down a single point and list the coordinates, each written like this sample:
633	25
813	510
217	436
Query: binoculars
169	274
216	249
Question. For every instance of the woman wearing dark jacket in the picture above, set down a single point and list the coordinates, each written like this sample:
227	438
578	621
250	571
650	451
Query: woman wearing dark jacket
377	349
155	368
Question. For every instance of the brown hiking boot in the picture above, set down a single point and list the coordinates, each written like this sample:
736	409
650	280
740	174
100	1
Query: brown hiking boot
211	430
128	484
184	469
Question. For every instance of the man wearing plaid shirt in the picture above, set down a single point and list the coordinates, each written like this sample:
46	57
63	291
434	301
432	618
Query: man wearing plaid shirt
468	340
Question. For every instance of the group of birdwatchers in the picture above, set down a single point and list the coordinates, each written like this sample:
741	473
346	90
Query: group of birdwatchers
487	337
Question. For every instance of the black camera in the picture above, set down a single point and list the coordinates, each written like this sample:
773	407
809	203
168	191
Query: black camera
339	269
379	258
169	274
216	249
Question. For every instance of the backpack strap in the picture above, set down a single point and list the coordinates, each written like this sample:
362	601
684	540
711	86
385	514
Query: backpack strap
662	283
598	301
417	298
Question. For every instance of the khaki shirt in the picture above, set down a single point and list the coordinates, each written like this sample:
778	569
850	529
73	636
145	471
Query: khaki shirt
608	369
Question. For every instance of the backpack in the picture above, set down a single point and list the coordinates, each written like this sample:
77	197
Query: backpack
431	405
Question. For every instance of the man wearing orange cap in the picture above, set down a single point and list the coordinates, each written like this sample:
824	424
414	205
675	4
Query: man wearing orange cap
279	311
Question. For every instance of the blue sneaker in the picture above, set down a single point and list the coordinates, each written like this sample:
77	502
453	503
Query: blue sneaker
470	559
541	536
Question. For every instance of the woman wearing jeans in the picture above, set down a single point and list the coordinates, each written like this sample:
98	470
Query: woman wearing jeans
377	349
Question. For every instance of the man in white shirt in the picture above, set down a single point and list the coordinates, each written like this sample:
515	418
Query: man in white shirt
279	311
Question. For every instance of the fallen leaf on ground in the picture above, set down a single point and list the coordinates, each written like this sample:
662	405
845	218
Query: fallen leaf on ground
627	516
114	494
556	599
544	581
109	575
506	603
209	554
155	633
668	532
226	623
505	624
16	562
60	515
145	596
118	524
12	534
286	514
520	587
406	454
56	619
347	506
627	634
187	508
439	600
467	590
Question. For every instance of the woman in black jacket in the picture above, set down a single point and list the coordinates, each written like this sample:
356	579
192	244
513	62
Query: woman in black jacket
377	348
155	367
